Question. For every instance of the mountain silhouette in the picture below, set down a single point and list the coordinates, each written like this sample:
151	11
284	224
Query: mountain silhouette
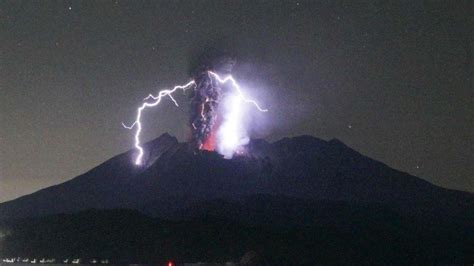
174	178
297	201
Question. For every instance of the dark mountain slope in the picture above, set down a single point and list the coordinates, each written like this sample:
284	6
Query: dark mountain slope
174	178
297	201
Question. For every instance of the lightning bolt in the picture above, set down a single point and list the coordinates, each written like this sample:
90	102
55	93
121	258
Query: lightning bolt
236	86
157	99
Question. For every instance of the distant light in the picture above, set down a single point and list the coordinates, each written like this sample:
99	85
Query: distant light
170	263
70	8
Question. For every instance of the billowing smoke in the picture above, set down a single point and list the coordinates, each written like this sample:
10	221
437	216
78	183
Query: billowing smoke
206	114
217	107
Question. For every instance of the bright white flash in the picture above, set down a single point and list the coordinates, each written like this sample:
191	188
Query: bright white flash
231	134
229	131
237	88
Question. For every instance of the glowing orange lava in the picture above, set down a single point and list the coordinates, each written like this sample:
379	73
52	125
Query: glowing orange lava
210	143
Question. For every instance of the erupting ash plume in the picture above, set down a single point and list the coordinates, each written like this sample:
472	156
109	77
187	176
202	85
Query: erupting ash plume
216	109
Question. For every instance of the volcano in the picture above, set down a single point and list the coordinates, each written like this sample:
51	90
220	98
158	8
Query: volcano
293	183
174	178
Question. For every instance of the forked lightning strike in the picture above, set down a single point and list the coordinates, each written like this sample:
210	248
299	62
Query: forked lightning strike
157	99
237	88
163	93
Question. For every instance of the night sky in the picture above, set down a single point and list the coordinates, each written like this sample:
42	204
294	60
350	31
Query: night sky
391	80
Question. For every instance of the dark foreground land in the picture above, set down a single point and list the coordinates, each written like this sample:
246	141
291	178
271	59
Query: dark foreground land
126	236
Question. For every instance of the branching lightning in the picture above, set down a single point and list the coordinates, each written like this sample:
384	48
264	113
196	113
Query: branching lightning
157	99
163	93
237	88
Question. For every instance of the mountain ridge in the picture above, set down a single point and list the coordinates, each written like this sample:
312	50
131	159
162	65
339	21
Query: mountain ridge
302	167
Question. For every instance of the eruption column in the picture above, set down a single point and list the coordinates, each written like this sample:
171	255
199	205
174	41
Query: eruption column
157	99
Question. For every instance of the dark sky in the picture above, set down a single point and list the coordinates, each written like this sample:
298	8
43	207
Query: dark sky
390	79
